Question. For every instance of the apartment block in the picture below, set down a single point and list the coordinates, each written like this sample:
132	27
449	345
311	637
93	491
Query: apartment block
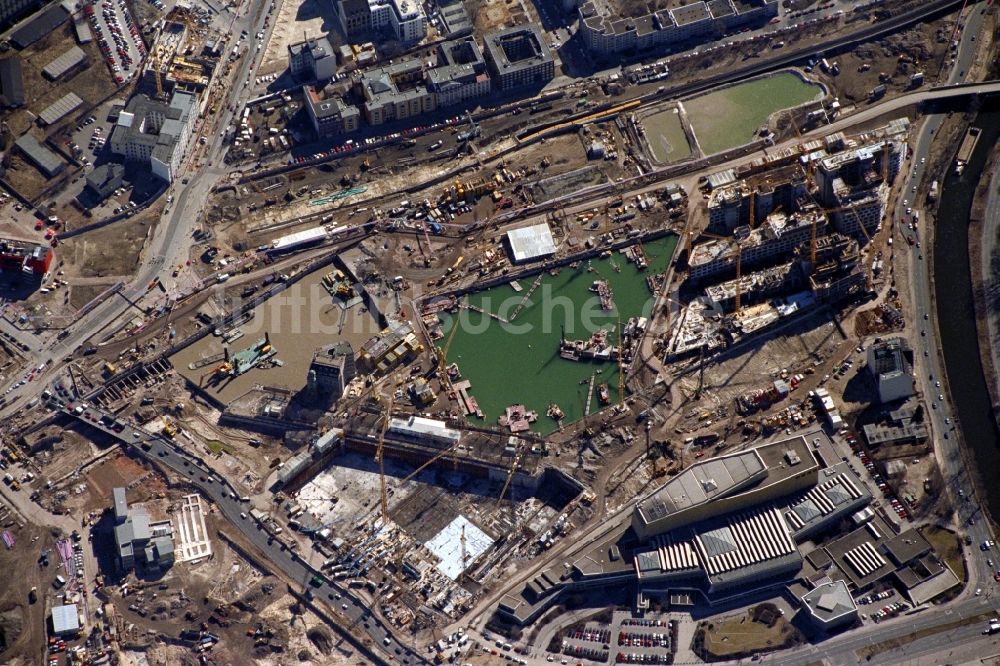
519	57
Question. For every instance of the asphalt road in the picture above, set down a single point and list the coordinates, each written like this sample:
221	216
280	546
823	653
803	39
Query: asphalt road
930	361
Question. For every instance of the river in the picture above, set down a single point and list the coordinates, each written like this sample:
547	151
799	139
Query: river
956	312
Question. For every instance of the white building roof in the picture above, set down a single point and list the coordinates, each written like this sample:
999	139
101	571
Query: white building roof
419	426
65	619
447	545
532	242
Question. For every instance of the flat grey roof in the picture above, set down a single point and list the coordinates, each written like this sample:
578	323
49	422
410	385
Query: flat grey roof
830	601
38	27
120	503
531	242
65	619
61	107
704	481
46	160
64	63
906	546
11	82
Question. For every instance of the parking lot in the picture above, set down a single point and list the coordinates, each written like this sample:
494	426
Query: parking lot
118	37
626	640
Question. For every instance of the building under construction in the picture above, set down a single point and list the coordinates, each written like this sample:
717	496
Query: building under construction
779	235
179	59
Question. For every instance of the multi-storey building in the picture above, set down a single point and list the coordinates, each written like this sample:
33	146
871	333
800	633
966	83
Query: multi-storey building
155	133
408	21
313	59
605	32
395	92
778	236
330	116
462	74
519	57
355	19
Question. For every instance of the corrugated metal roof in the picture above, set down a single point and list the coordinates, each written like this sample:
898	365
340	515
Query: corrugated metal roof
39	26
64	63
65	619
61	107
531	242
42	157
11	82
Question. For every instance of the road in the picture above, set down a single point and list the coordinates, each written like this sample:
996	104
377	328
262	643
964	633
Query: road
932	377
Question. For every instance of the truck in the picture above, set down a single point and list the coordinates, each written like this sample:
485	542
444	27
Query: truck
932	193
993	627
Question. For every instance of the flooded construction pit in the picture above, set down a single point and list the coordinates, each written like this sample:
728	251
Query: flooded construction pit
297	321
521	362
730	117
665	136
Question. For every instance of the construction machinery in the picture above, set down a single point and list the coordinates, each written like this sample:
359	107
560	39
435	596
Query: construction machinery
220	370
473	132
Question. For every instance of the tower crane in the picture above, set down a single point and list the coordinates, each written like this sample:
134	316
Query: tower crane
380	458
621	366
739	264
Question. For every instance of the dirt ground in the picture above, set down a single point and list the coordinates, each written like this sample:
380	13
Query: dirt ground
26	179
233	597
922	48
295	21
111	251
495	14
91	82
22	624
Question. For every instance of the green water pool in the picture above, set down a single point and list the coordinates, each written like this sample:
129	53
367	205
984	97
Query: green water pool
519	362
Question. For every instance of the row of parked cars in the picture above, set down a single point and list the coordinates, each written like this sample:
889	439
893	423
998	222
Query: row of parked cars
642	658
115	46
643	639
351	145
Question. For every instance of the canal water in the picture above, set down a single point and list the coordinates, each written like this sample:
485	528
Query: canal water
956	313
519	362
730	117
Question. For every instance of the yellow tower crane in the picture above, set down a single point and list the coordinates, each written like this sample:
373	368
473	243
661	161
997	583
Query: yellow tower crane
380	458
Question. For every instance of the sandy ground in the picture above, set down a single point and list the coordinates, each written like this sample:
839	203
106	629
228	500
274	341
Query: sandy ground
295	22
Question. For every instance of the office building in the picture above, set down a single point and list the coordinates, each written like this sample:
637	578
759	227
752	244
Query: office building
312	60
519	57
606	31
830	605
331	369
395	92
407	20
355	19
329	115
890	365
460	75
155	134
776	238
137	539
105	179
721	527
23	259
